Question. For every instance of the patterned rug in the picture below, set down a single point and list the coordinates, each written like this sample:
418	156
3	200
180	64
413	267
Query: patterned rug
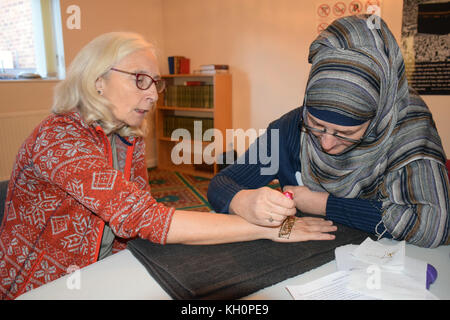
182	191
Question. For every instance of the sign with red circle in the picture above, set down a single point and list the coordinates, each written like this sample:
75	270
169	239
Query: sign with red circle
339	9
322	26
355	7
323	10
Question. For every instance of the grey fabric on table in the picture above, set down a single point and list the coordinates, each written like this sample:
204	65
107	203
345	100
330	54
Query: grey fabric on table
234	270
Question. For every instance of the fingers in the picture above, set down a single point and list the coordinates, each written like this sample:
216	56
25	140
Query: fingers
315	221
275	219
269	219
278	199
270	208
280	205
310	224
279	213
322	228
319	236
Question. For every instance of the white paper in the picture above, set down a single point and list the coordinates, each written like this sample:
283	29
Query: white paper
391	285
382	278
330	287
387	256
345	261
372	270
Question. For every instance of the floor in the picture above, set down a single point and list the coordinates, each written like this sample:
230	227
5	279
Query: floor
179	190
182	191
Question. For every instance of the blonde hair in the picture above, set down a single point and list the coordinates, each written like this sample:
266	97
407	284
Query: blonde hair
78	92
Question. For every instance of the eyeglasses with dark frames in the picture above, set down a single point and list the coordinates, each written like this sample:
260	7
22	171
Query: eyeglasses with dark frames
144	81
320	132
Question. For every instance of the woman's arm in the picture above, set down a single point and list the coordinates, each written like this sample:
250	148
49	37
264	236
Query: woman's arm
242	175
77	165
362	214
190	227
416	204
240	188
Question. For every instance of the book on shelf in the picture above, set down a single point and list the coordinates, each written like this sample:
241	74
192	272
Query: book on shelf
194	83
211	72
171	123
184	65
214	67
179	65
192	95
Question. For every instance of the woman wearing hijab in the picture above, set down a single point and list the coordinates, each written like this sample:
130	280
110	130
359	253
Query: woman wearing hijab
362	151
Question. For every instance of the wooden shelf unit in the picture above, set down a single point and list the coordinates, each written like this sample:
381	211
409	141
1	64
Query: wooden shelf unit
221	113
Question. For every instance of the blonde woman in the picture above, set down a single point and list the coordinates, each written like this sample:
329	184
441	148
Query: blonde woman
79	187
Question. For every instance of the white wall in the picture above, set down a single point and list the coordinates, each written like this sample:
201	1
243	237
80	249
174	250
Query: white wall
265	42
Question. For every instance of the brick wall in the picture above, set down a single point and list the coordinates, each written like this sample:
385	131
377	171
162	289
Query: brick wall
16	31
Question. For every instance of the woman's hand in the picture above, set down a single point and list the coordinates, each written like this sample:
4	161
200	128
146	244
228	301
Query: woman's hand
305	229
308	201
263	206
191	227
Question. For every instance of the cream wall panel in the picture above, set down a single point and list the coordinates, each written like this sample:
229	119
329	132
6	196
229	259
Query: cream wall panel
17	126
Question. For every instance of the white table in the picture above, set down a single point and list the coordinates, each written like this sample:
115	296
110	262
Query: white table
122	276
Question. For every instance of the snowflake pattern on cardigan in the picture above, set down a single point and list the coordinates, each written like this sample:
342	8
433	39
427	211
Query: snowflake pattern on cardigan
62	191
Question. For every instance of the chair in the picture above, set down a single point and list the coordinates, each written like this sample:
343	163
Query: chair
3	192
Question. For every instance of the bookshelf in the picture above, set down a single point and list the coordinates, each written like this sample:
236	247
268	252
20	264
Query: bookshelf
206	98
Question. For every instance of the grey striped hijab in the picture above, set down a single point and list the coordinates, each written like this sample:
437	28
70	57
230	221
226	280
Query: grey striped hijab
359	73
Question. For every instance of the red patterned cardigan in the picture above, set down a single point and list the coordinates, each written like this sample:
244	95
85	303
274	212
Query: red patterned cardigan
62	190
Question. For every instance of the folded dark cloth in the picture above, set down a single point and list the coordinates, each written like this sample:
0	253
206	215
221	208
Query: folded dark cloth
234	270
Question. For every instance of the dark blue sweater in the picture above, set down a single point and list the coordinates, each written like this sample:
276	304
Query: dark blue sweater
361	214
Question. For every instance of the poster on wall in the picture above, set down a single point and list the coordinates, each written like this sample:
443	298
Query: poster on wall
426	45
329	10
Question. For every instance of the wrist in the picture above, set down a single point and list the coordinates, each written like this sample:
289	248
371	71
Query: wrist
313	202
269	233
237	202
322	203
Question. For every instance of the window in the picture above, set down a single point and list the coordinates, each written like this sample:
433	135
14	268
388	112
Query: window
31	43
